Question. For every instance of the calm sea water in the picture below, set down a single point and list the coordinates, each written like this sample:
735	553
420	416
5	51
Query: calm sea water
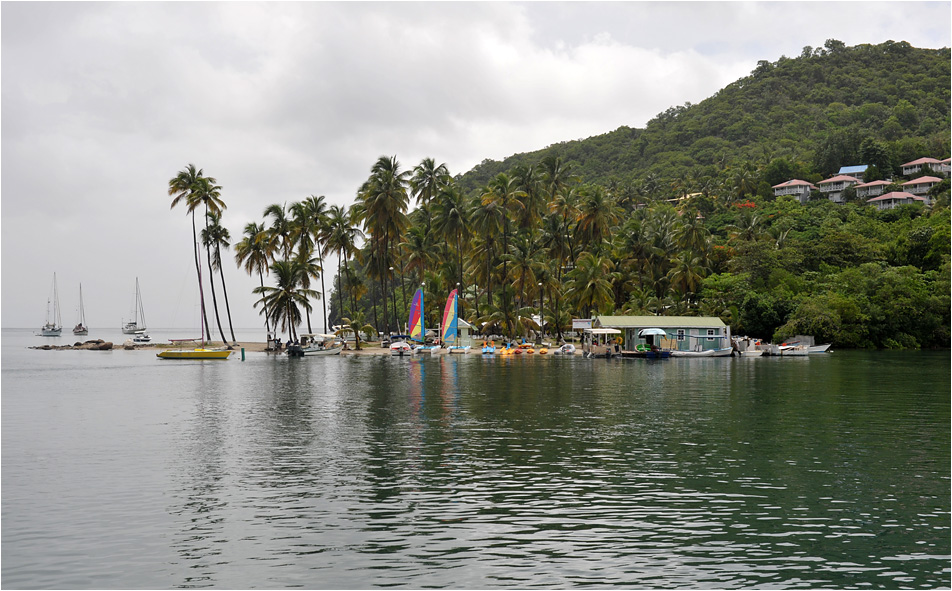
120	470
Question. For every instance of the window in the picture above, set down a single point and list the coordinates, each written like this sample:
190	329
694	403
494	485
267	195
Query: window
680	335
710	333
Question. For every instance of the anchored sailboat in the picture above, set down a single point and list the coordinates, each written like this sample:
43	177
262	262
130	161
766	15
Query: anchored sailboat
54	324
137	324
81	328
199	352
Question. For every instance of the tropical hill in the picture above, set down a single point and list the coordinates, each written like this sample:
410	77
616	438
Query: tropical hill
801	117
678	218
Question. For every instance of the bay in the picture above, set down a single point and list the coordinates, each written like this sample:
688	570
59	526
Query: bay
120	470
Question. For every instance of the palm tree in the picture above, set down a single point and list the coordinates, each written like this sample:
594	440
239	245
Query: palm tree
318	212
284	301
342	236
252	253
429	178
304	228
356	324
207	193
504	191
281	231
452	222
596	216
181	187
382	202
588	285
215	235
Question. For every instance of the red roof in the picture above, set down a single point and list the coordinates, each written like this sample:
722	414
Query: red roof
896	195
922	180
840	178
794	183
922	161
873	184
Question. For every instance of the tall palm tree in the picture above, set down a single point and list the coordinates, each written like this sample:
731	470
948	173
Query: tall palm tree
215	235
252	253
382	204
208	194
427	180
596	216
281	230
181	187
452	222
504	191
317	209
342	237
284	301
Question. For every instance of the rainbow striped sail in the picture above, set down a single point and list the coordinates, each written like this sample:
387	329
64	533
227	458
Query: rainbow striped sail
416	317
450	320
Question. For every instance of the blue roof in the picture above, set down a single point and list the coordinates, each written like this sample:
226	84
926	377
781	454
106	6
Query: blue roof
853	169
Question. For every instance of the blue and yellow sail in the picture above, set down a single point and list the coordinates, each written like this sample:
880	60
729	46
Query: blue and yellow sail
450	319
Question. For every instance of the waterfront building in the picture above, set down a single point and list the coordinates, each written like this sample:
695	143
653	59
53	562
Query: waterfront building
682	333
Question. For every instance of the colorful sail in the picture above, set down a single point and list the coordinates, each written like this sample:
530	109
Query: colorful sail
450	320
416	317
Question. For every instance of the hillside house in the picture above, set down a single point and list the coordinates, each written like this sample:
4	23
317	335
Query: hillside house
944	167
800	189
921	185
833	187
915	166
872	189
895	199
856	172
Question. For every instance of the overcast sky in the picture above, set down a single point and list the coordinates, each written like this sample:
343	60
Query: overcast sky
102	103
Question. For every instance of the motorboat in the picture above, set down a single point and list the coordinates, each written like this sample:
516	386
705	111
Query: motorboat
141	337
690	354
819	348
400	349
794	350
752	353
196	353
566	349
316	344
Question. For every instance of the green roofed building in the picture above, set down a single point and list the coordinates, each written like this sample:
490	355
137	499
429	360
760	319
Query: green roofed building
682	333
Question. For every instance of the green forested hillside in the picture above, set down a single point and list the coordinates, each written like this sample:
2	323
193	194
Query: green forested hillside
675	219
799	117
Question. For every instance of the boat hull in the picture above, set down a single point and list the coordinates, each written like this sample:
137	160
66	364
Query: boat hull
48	331
459	350
751	353
690	354
819	348
194	354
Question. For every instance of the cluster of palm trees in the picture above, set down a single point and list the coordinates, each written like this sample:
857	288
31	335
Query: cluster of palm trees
531	250
196	191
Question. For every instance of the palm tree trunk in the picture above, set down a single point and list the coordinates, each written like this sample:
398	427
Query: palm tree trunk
320	256
211	281
221	272
267	325
198	270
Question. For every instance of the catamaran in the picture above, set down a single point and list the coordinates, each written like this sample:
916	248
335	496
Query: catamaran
449	329
198	352
137	324
54	324
81	328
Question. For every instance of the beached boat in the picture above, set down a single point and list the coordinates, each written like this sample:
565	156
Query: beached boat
400	349
137	324
489	348
566	349
54	324
81	328
311	345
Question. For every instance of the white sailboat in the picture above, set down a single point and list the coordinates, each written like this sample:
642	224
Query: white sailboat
81	328
54	324
137	324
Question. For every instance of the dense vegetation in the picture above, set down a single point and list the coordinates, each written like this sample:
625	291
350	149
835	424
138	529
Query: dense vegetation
675	219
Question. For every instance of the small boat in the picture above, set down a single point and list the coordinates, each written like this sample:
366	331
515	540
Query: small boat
459	349
81	328
431	350
142	337
196	353
543	351
819	348
525	348
689	354
794	350
312	345
489	348
54	325
752	353
400	349
566	349
723	352
449	328
137	323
